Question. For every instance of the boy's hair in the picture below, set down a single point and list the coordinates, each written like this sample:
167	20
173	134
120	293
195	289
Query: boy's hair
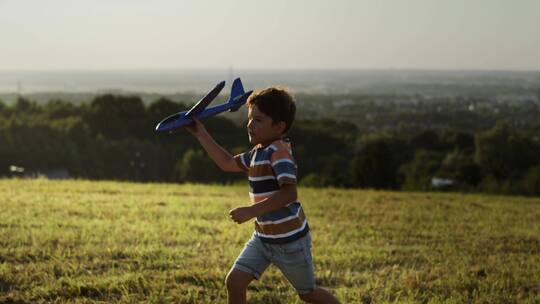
276	103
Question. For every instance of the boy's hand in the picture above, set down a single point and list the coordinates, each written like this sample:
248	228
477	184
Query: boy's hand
196	128
241	214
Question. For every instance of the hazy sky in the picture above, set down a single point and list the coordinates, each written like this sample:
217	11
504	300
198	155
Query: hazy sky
277	34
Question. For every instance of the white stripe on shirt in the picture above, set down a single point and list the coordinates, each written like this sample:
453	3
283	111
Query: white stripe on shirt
281	220
286	175
261	162
261	178
282	160
261	194
277	236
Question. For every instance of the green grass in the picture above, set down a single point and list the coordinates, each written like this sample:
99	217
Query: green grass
111	242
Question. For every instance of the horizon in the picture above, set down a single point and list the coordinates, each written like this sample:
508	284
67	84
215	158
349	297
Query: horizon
323	81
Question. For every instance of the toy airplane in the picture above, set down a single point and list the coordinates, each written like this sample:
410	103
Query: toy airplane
237	98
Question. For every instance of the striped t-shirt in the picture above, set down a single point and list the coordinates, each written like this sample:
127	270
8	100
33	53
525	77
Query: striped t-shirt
270	167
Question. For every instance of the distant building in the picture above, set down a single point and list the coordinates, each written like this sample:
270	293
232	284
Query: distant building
17	171
439	183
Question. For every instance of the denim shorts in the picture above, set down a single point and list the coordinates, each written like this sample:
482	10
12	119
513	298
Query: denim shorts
293	259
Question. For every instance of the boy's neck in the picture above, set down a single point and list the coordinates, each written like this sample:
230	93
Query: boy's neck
266	144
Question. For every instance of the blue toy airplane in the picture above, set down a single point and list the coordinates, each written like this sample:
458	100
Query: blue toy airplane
237	98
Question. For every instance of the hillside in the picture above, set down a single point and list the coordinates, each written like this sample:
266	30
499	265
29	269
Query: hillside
115	242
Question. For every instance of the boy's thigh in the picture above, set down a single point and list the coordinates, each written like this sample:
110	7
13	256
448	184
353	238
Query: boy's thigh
295	261
252	259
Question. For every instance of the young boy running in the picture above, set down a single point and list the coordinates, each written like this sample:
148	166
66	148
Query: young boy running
281	234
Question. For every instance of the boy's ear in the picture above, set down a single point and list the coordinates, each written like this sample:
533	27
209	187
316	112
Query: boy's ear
281	125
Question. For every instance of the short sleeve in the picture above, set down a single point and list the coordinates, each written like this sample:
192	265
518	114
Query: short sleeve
242	160
283	165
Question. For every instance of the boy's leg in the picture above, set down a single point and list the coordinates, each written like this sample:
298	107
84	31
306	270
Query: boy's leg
237	282
319	295
249	265
295	261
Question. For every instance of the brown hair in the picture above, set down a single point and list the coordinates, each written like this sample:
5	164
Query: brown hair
275	102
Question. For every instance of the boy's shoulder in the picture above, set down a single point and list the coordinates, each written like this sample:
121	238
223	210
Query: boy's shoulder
281	149
280	146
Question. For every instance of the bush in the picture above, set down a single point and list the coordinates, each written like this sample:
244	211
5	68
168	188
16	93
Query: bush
196	166
505	153
418	173
530	184
461	168
374	166
314	180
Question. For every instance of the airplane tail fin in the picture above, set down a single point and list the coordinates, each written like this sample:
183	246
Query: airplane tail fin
237	89
237	93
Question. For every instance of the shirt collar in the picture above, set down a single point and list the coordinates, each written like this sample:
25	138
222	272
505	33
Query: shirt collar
261	146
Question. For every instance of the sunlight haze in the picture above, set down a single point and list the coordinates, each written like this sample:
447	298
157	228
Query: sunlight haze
369	34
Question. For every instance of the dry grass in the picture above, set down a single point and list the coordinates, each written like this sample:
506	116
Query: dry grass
103	242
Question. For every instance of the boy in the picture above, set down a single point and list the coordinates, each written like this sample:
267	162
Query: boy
281	234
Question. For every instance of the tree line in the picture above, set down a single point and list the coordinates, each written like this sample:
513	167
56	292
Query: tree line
112	137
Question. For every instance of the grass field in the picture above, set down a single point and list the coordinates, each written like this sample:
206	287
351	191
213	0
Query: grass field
111	242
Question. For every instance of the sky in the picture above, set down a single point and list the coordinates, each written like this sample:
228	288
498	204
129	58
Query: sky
277	34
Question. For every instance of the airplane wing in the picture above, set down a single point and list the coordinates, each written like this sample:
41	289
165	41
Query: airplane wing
237	98
229	106
206	100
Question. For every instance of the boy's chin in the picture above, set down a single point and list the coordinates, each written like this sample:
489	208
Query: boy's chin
255	141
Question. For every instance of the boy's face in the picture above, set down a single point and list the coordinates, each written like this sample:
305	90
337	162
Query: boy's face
261	128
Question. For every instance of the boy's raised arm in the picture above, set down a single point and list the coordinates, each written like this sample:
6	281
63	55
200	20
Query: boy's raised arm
218	154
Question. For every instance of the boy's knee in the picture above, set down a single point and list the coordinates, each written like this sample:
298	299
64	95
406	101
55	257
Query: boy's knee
237	280
230	282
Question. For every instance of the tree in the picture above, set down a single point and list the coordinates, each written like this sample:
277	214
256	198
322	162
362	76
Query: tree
418	173
4	110
162	108
374	166
461	168
313	147
118	117
315	180
25	107
530	184
427	140
127	159
196	166
504	153
458	140
58	109
37	145
6	155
